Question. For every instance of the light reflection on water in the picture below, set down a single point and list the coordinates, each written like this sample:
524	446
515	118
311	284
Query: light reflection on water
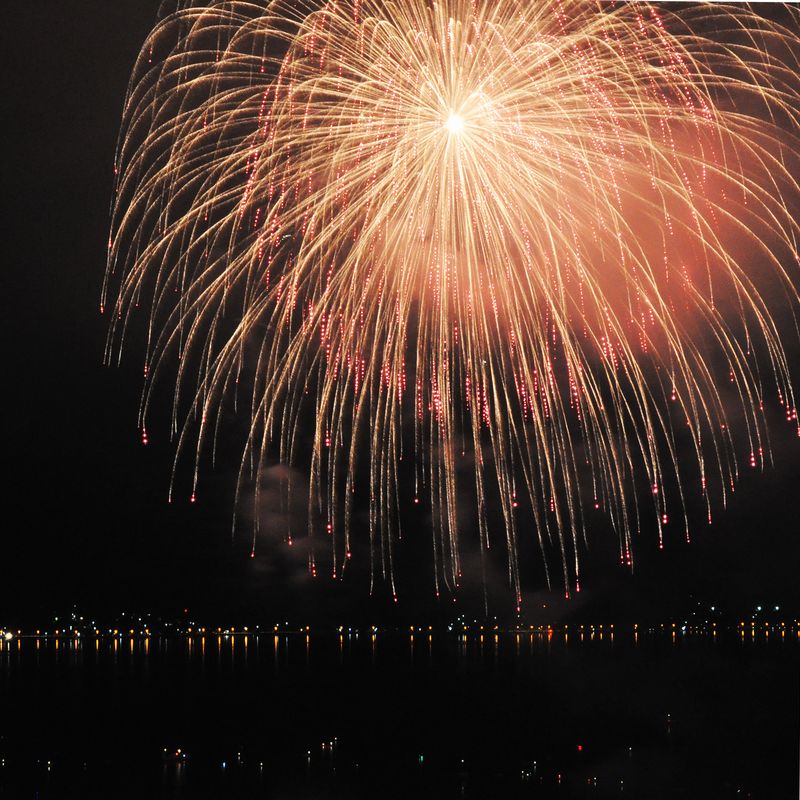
534	713
230	647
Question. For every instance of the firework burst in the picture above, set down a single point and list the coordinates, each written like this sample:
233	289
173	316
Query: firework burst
545	240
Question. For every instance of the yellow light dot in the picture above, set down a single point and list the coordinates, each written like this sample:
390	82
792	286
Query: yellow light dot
455	123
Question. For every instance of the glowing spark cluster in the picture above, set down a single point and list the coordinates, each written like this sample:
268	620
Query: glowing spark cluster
527	254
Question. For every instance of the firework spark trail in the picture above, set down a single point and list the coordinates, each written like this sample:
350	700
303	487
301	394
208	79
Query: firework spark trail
531	233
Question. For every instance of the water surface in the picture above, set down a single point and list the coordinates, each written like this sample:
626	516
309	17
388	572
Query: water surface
429	715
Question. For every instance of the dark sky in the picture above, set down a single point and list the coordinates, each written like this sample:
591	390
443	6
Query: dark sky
86	513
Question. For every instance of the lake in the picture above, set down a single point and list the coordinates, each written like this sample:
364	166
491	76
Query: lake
439	714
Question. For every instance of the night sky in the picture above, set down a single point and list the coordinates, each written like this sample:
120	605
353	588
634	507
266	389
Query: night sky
87	520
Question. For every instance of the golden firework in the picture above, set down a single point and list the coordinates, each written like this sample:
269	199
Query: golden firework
543	240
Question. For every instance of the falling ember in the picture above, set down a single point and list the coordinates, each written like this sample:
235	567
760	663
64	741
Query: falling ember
537	238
